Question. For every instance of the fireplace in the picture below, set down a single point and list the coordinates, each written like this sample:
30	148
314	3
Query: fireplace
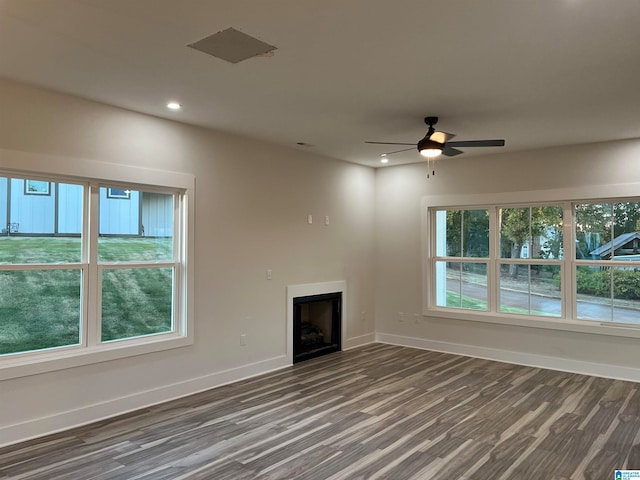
317	328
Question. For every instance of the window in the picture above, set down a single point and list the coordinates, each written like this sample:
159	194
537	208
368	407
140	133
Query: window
86	272
508	261
118	193
136	264
462	250
607	283
530	250
36	187
40	274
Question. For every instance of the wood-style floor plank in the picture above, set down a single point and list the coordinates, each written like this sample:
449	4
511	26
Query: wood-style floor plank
375	412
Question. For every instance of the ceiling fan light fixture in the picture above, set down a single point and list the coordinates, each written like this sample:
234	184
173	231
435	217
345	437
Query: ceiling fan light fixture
430	152
430	148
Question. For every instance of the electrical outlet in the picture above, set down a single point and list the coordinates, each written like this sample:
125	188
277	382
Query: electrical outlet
243	339
401	316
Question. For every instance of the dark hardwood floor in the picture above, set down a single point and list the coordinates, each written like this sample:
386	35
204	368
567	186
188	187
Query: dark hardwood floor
378	411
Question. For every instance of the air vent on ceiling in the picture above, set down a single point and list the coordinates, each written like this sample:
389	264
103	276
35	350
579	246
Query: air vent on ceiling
232	45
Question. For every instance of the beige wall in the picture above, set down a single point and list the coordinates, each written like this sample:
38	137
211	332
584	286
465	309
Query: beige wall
399	193
252	201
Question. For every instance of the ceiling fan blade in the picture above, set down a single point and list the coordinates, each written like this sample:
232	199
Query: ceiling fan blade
451	152
477	143
441	137
391	143
398	151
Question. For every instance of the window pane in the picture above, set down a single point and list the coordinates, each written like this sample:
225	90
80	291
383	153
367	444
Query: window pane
454	233
40	222
515	233
135	225
475	225
462	233
546	294
626	229
474	286
599	302
593	293
136	301
530	289
514	288
593	230
626	295
448	284
461	285
531	232
39	309
546	229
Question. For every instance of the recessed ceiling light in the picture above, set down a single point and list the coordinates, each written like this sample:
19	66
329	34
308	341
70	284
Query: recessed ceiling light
174	106
384	160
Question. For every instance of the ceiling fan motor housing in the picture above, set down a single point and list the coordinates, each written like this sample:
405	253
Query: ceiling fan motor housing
431	121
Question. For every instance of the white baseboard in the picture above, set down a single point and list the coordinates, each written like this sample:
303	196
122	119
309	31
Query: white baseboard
520	358
99	411
38	427
359	341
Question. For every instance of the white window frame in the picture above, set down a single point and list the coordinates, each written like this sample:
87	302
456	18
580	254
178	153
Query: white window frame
92	175
566	198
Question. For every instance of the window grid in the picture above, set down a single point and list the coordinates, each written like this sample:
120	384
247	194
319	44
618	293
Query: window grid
568	264
90	269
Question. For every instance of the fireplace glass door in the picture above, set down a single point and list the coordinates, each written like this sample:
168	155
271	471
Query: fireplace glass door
316	325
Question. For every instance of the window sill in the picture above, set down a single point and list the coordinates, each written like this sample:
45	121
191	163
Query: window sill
60	359
550	323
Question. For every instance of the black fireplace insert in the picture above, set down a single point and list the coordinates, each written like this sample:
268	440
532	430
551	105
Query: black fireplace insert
316	325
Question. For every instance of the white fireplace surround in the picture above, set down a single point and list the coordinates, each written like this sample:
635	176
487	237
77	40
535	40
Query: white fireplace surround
307	289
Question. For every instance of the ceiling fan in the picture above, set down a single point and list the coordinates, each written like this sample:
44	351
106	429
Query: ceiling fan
435	143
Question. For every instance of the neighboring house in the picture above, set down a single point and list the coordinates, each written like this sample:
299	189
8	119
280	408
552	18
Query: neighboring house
625	247
540	247
34	207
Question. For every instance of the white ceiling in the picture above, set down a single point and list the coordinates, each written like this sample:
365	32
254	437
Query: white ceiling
536	73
